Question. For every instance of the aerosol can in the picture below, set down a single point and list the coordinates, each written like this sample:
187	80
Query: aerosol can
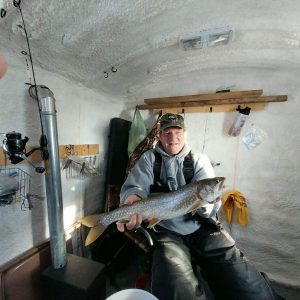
239	121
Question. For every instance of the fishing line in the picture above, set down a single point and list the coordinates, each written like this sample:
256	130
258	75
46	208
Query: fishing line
235	173
205	132
236	163
17	4
28	72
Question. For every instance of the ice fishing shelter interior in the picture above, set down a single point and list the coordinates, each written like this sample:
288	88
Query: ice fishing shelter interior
72	75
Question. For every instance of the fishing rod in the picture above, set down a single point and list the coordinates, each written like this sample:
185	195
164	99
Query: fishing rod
13	144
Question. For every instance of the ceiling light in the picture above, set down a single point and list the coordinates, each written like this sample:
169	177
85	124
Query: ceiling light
207	38
192	43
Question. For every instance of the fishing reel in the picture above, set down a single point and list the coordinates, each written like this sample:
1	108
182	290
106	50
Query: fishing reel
15	147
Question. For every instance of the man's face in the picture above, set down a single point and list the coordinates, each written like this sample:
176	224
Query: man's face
172	140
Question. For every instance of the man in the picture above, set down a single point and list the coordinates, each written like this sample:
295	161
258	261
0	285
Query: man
186	241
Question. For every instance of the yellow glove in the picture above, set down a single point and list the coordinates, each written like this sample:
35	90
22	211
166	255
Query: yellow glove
235	199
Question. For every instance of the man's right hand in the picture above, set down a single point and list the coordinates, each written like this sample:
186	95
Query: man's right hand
135	220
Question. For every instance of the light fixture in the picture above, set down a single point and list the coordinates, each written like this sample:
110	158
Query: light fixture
207	38
192	43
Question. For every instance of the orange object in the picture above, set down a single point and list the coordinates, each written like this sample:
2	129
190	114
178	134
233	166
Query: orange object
235	201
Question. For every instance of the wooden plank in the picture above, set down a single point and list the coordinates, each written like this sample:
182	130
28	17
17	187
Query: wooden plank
200	97
78	150
213	108
64	151
262	99
3	158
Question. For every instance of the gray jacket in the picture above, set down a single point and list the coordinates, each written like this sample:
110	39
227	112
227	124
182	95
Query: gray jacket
141	178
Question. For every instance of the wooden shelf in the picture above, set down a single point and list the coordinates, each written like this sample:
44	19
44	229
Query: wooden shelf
216	102
210	108
204	97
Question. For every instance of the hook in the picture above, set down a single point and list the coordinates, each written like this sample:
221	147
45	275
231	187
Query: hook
17	3
3	12
214	164
70	150
105	74
114	70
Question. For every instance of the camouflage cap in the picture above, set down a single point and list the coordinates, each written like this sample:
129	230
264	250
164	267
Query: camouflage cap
171	120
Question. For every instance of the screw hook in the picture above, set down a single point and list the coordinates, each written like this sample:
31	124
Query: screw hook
3	12
16	3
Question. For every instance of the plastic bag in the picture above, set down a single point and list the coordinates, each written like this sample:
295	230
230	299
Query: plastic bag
253	137
137	132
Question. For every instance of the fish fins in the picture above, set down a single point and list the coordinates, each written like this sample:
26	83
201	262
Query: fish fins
94	233
194	208
153	222
90	221
193	212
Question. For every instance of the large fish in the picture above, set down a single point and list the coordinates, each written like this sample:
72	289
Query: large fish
160	207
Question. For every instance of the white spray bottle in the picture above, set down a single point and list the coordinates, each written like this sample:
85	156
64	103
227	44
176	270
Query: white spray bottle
239	121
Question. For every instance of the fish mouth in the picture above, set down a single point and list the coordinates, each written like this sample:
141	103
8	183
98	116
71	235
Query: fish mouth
216	200
211	189
220	180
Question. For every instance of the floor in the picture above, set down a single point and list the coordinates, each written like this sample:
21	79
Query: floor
127	265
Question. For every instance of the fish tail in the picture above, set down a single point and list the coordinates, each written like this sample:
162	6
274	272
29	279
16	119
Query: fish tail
91	220
94	233
96	230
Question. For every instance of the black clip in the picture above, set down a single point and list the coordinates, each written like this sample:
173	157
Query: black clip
3	13
16	3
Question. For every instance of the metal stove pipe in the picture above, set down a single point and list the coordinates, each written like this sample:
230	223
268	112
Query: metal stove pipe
52	176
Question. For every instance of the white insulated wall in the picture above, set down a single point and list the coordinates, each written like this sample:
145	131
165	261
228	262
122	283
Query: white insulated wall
267	176
83	117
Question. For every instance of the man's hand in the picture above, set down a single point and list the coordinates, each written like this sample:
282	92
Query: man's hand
135	220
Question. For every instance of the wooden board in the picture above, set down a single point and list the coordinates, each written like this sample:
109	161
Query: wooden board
201	97
78	150
64	151
213	108
261	99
